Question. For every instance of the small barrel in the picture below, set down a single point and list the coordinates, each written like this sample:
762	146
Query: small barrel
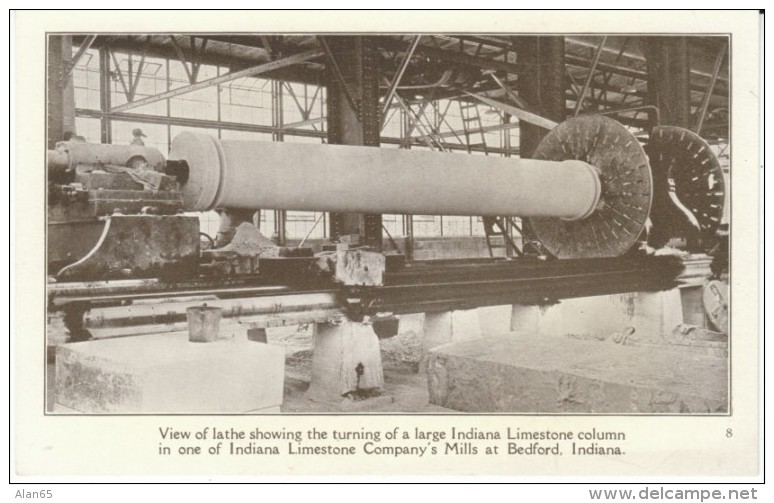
203	323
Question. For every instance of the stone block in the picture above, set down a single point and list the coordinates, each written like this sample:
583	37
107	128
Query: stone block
359	267
653	315
166	373
495	319
346	358
526	318
693	310
526	373
447	327
451	326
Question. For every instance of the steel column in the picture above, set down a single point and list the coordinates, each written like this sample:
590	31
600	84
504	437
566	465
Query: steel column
541	84
60	92
106	130
353	118
277	119
669	79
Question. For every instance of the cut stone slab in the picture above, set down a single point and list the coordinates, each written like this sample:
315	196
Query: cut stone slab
543	374
165	373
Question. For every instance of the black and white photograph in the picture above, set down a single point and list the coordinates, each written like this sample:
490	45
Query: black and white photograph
502	227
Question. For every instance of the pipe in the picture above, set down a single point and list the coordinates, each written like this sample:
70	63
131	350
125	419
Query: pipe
174	310
347	179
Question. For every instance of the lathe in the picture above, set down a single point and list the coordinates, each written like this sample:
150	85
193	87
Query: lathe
118	231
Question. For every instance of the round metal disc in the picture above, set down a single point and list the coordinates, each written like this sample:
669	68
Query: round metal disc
625	199
683	160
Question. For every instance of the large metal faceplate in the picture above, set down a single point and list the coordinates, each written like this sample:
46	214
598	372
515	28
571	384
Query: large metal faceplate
683	162
626	189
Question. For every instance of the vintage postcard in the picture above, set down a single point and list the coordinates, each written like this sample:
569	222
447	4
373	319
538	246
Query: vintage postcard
455	244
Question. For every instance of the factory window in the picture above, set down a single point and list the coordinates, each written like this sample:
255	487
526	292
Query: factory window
456	226
88	128
394	225
477	226
299	224
156	135
126	82
201	104
302	105
209	222
246	101
427	225
267	222
86	80
393	124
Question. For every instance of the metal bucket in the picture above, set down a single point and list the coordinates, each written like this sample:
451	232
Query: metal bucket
203	323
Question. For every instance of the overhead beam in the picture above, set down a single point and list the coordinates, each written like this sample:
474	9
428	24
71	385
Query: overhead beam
396	79
590	77
634	57
484	129
519	113
158	50
579	62
197	123
302	75
247	72
451	56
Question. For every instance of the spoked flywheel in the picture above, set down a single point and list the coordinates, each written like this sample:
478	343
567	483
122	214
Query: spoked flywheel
626	192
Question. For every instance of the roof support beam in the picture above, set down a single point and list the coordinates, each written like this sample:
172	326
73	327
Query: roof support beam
78	55
484	129
288	129
592	69
247	72
702	112
397	77
520	114
452	56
